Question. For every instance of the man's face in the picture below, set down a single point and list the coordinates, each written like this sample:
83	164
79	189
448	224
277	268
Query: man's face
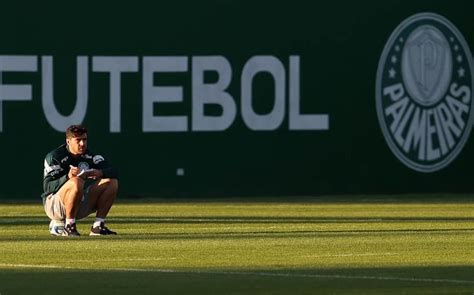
77	145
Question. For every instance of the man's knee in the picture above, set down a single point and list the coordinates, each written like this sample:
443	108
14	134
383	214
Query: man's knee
73	190
75	185
111	183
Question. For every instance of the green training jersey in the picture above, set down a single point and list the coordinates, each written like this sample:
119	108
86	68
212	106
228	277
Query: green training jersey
57	164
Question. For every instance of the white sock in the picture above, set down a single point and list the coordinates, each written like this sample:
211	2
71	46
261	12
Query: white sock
98	221
70	221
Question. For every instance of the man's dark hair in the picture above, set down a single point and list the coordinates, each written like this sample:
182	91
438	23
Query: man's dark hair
75	131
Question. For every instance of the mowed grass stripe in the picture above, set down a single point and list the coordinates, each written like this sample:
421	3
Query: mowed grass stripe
265	274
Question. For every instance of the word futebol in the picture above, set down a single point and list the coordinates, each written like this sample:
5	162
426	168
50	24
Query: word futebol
286	90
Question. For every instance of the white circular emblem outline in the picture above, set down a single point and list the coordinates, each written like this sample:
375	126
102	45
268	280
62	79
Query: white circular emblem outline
378	98
83	165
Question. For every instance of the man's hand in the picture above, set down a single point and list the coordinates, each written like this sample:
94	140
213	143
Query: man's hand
73	171
92	173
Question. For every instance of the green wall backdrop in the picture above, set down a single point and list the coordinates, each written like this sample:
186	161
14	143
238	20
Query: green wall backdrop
339	45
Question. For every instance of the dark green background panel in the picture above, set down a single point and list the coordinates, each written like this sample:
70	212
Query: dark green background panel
339	44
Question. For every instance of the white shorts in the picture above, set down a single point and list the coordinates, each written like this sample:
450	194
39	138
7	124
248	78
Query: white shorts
54	207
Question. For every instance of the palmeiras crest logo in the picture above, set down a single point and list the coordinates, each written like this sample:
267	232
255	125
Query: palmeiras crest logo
424	92
83	166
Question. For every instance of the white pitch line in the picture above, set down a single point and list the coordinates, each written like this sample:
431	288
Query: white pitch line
242	273
124	259
45	266
348	277
352	255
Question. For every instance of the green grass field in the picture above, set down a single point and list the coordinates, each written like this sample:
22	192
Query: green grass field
323	245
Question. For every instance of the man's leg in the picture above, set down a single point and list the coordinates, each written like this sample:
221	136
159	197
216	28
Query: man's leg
101	196
71	194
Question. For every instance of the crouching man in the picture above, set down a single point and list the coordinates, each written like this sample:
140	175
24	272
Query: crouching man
76	184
